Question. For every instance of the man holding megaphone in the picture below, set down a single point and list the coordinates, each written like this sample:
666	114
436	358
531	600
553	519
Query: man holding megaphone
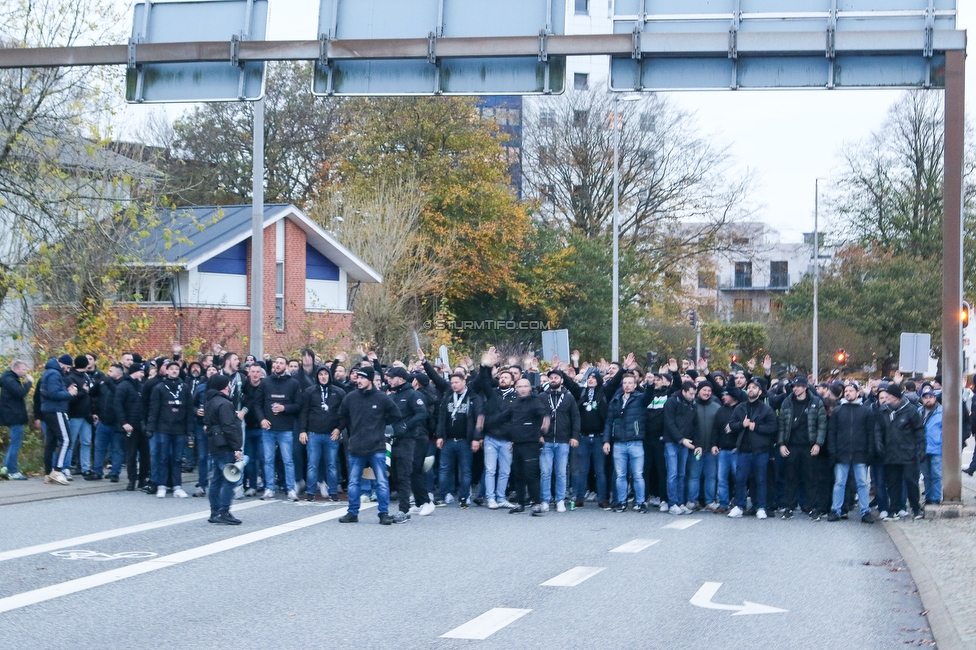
226	442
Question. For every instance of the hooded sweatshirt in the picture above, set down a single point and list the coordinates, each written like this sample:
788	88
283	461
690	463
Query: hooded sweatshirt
320	406
54	392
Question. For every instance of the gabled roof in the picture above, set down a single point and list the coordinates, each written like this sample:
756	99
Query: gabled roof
187	237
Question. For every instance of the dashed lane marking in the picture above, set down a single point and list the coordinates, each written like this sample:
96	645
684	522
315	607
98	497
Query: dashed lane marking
635	546
682	524
487	624
573	577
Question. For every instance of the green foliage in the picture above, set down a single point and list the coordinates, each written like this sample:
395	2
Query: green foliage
748	340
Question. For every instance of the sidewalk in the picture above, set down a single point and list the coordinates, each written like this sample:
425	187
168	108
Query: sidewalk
34	489
941	555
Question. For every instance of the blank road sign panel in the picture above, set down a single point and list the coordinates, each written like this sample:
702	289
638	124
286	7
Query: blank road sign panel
209	20
419	19
708	44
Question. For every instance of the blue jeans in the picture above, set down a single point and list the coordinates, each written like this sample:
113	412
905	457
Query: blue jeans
498	466
221	490
590	451
455	452
726	466
80	428
284	441
932	473
557	452
378	464
321	445
108	442
203	457
676	459
254	450
840	485
16	437
754	464
169	455
624	454
708	465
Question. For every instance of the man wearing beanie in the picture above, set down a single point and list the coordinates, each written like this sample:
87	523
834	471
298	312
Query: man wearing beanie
80	416
170	419
680	426
365	414
704	460
225	442
754	424
55	396
414	411
316	423
802	427
903	441
128	418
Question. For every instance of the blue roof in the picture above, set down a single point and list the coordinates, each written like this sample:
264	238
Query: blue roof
188	236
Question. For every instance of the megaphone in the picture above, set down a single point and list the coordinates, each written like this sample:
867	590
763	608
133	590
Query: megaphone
428	464
234	471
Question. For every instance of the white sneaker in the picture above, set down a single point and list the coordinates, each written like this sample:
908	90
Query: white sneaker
179	493
712	507
674	510
250	492
560	506
414	510
292	495
492	504
161	492
663	507
735	513
268	494
761	513
902	514
590	497
67	474
883	514
323	490
427	509
239	492
545	506
505	503
449	498
685	510
58	477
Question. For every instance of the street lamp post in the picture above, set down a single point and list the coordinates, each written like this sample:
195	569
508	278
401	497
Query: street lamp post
816	280
615	321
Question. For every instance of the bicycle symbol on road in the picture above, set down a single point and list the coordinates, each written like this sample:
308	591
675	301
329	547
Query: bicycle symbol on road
82	554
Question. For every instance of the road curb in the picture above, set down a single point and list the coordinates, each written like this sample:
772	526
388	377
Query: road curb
940	621
55	493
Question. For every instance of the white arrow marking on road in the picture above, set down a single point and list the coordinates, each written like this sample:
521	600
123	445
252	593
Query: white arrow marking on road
573	577
682	524
635	546
703	598
487	624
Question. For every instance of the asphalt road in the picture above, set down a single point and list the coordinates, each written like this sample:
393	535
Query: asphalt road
292	576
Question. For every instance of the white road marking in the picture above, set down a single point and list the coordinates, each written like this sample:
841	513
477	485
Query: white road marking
88	582
573	577
83	554
635	546
682	524
703	598
117	532
487	624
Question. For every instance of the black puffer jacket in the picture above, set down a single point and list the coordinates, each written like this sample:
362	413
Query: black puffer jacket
80	406
171	409
223	428
853	434
13	404
759	440
902	433
626	422
128	403
680	419
320	408
365	414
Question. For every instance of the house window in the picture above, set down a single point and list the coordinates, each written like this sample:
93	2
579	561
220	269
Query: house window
547	119
582	7
672	280
647	122
740	241
581	81
779	274
743	276
706	280
775	305
146	289
742	308
580	118
280	295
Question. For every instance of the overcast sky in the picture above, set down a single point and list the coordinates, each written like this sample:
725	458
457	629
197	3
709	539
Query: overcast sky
787	138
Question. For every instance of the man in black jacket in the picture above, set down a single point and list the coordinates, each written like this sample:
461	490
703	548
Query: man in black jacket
364	414
459	432
317	423
625	429
802	426
252	397
128	417
413	410
680	427
725	442
754	424
593	410
852	435
903	442
14	386
225	443
170	418
528	422
563	434
497	446
655	464
278	414
80	415
109	439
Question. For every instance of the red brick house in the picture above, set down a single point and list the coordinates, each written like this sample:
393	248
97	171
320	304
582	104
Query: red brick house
194	285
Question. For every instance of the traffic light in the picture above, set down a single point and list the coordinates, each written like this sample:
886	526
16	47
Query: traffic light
706	353
691	353
964	315
651	359
693	318
841	357
734	358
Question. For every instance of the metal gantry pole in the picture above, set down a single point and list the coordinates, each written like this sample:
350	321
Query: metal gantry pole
816	280
615	326
257	233
952	239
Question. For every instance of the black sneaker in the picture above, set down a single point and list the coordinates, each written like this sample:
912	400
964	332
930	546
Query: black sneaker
113	478
815	516
478	501
970	470
919	514
604	505
787	514
517	510
845	514
440	503
334	498
214	517
349	518
537	510
867	518
642	508
131	487
620	507
833	516
228	518
578	503
310	496
385	519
